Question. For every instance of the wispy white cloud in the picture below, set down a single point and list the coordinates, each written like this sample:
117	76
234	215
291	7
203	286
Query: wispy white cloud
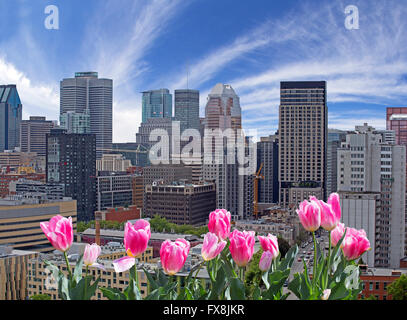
37	99
121	53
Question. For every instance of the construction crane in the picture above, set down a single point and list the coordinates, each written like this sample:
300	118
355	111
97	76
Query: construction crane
257	177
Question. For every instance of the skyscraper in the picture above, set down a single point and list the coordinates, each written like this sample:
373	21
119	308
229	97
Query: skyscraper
156	104
234	190
303	131
335	139
10	117
223	109
87	93
372	184
267	154
397	122
71	160
187	109
33	135
74	122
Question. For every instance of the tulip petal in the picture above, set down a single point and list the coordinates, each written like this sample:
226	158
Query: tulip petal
123	264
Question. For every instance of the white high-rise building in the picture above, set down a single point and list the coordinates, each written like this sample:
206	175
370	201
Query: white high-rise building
88	94
371	181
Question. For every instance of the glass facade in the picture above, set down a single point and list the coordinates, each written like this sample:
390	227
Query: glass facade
10	117
156	104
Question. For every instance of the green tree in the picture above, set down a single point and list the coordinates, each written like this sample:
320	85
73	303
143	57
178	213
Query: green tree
253	274
398	289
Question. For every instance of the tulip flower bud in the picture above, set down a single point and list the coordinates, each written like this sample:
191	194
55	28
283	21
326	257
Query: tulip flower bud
270	243
136	239
211	246
59	232
337	233
219	223
309	214
355	244
173	255
242	246
265	261
91	254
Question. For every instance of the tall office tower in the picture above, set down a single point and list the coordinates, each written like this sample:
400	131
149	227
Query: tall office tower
187	109
11	111
147	128
397	122
33	135
372	185
267	154
156	104
233	189
303	131
86	93
223	109
71	160
74	122
335	139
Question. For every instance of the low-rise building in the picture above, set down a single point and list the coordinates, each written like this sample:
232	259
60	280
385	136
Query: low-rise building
156	239
180	203
13	273
376	281
20	220
41	281
118	214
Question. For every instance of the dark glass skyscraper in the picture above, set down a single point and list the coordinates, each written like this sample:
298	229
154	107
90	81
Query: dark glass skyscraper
187	109
156	104
71	160
267	154
10	117
87	93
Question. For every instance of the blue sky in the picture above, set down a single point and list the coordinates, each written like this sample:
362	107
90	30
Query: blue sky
252	45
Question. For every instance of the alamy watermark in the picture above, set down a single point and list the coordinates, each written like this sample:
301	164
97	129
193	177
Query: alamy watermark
215	147
51	22
352	18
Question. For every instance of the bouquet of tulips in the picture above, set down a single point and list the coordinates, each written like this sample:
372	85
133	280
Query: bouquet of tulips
226	255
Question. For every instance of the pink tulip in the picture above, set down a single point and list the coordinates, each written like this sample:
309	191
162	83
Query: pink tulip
59	231
270	243
355	244
337	233
136	239
219	223
309	214
265	261
242	246
91	254
211	246
173	255
330	212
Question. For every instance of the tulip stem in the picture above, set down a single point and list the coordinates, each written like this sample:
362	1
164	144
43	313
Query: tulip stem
329	263
67	265
208	266
86	282
314	270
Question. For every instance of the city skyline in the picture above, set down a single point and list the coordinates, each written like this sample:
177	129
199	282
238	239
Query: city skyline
365	69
